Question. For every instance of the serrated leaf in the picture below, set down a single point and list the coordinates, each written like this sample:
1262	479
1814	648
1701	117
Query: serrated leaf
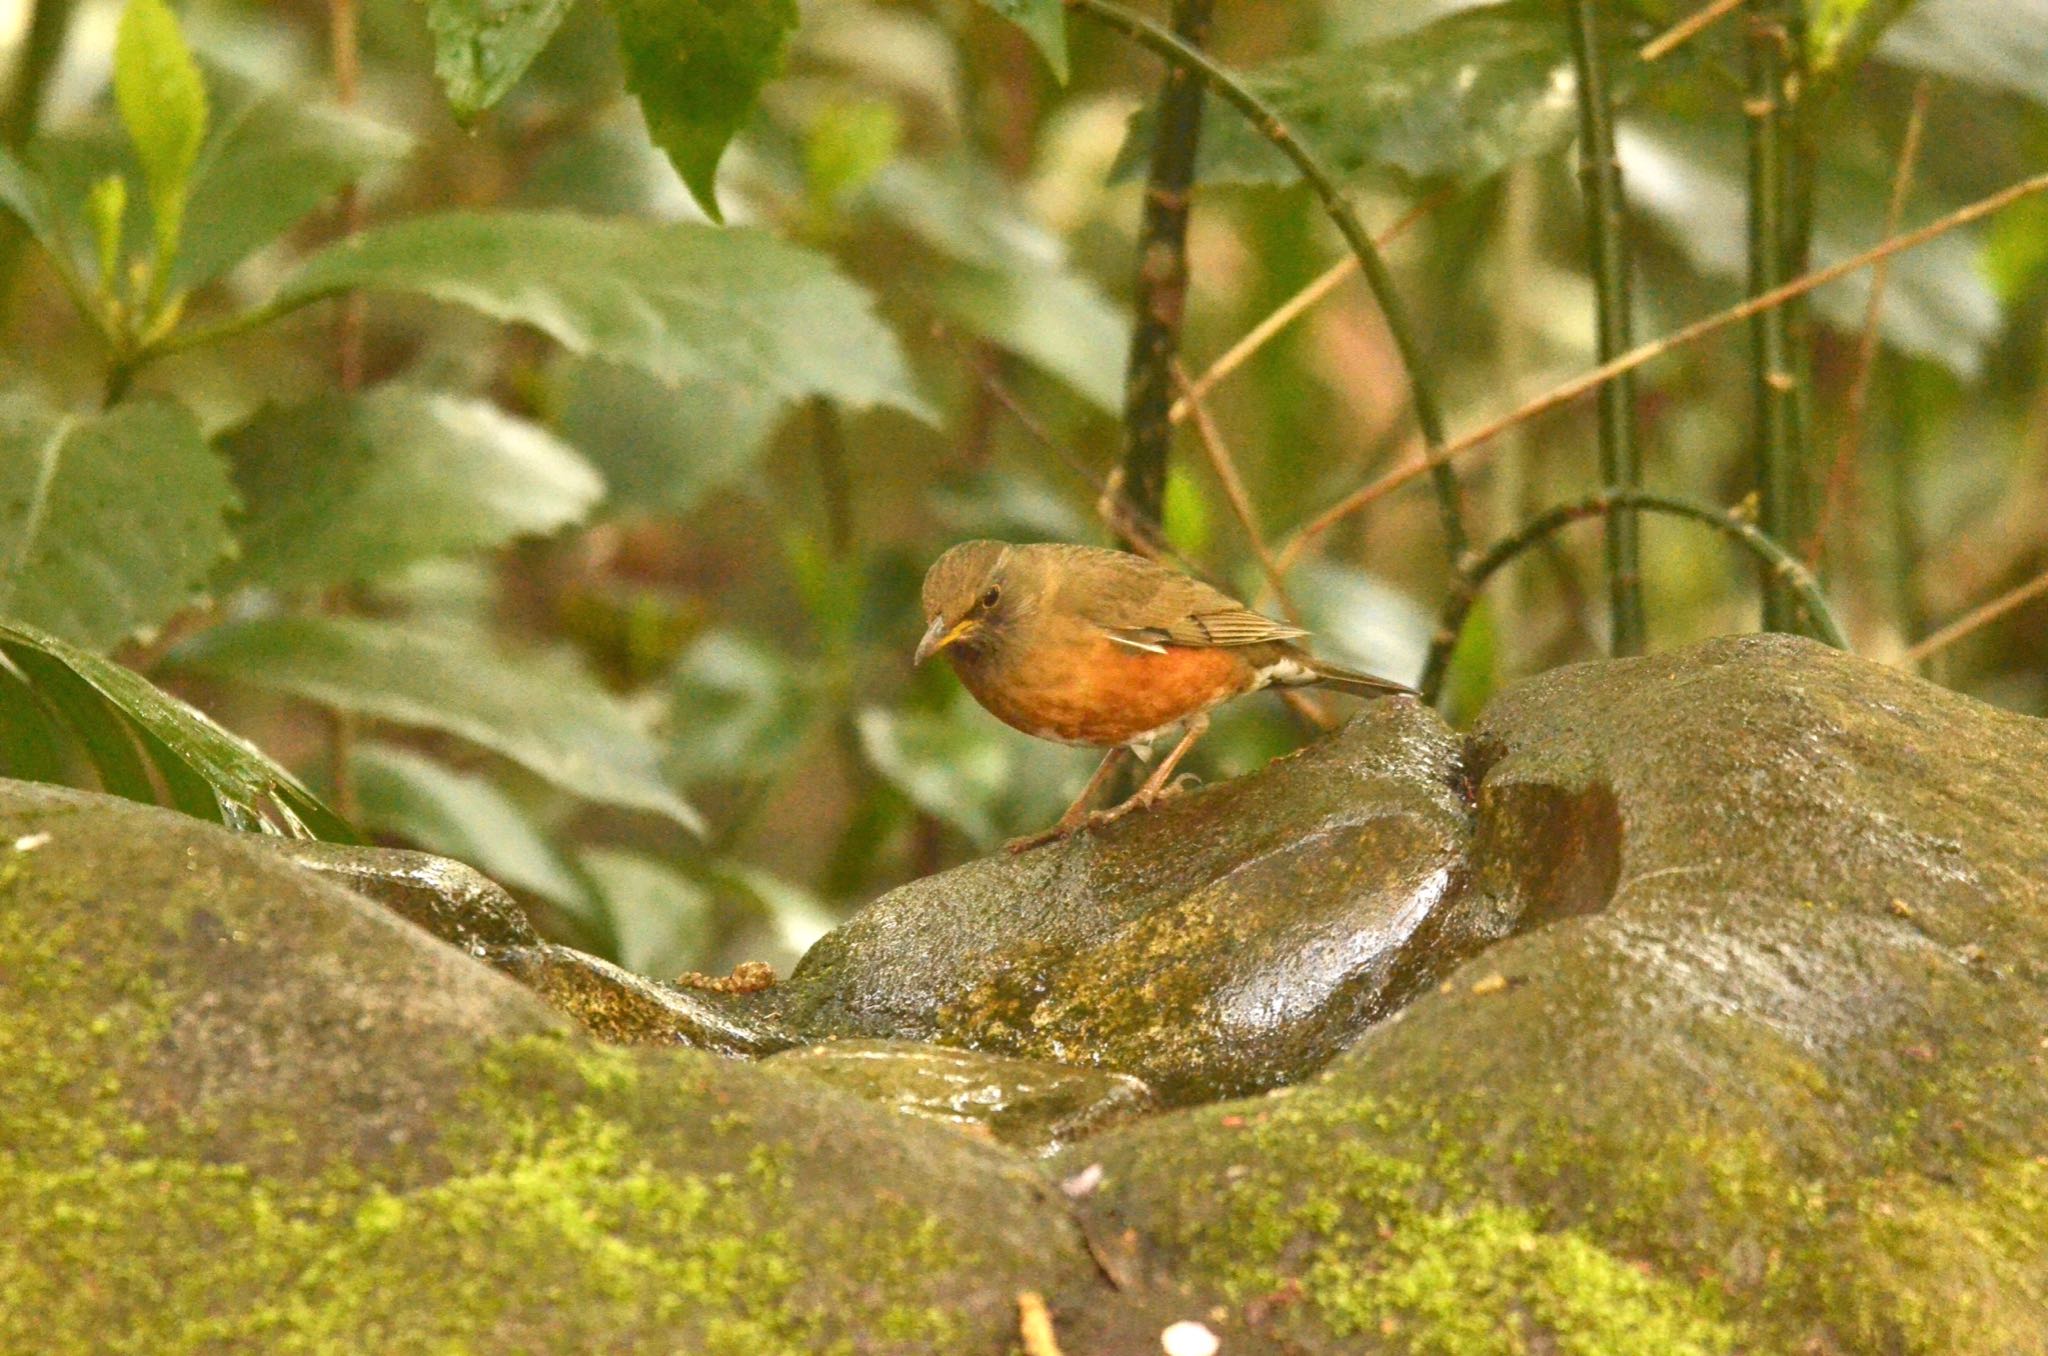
463	815
1045	23
271	158
163	105
482	47
697	66
1459	100
663	446
541	709
681	301
102	701
109	523
1999	43
346	489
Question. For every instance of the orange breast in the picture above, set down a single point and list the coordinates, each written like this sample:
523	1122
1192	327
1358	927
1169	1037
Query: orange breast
1098	692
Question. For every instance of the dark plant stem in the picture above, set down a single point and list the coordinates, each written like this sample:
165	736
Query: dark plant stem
1160	288
1774	371
1777	562
23	109
1607	241
1267	123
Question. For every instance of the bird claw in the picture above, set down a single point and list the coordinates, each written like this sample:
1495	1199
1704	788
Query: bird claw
1095	819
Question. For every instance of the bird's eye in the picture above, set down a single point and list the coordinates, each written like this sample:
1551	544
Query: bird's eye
991	596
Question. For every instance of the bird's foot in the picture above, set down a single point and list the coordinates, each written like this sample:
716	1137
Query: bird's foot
1143	799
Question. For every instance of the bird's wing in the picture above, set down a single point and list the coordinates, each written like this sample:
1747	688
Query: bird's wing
1146	606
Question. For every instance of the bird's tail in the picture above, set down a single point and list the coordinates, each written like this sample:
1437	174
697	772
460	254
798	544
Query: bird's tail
1324	674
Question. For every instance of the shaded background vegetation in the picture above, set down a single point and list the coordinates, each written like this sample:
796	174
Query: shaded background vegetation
586	547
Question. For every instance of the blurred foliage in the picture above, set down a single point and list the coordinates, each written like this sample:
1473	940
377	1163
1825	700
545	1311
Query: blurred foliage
693	332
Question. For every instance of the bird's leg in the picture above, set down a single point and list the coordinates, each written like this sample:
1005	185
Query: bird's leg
1077	813
1159	785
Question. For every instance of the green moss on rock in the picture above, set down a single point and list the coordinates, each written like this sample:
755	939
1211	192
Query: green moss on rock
244	1111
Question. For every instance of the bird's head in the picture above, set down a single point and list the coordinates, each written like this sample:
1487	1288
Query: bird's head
969	597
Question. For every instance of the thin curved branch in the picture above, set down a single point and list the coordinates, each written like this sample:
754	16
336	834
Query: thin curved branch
1268	124
1781	564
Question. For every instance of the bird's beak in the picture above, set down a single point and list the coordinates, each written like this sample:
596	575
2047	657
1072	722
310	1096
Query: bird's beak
937	637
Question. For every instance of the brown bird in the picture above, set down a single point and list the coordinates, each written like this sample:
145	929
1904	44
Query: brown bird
1087	646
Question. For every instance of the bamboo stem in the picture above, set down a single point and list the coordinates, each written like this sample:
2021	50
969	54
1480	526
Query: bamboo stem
1607	241
1421	380
1472	575
1160	288
1774	379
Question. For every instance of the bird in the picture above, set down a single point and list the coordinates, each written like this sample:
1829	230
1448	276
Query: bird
1089	646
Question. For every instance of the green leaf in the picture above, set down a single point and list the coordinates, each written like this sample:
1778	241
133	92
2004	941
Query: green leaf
482	47
1841	33
109	523
540	709
110	708
1012	284
846	146
2002	44
269	158
663	446
273	156
951	770
1045	23
1057	319
163	105
461	815
661	919
1459	100
680	301
697	66
740	710
25	192
348	489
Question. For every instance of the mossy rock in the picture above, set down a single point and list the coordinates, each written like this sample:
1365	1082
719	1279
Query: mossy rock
243	1109
1230	940
1768	1074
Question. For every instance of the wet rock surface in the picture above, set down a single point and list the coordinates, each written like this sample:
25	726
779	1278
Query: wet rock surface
1770	1072
1692	1004
1028	1104
1227	941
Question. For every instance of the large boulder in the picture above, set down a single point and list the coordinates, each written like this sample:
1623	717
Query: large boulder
1228	941
243	1109
1768	1072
